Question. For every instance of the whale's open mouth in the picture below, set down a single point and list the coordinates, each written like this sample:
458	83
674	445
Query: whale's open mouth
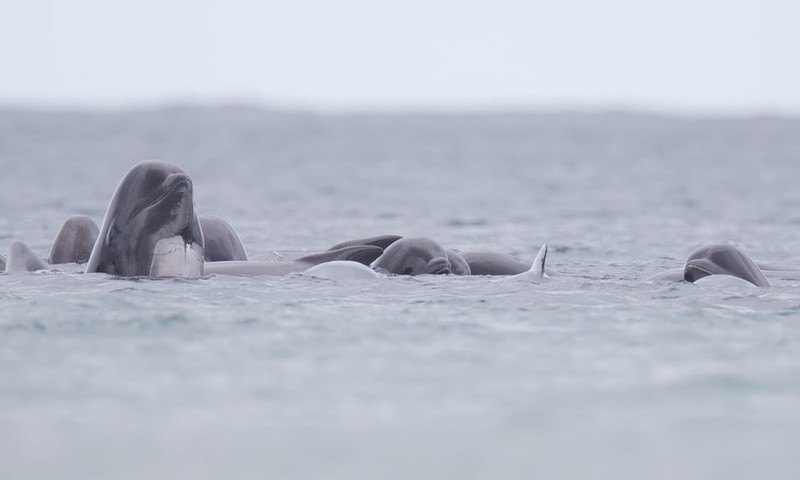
695	270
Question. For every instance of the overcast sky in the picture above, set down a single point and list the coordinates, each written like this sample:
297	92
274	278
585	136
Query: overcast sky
677	55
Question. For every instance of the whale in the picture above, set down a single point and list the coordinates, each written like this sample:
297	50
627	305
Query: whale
414	256
21	258
711	261
150	227
458	265
722	259
362	254
462	262
222	243
74	241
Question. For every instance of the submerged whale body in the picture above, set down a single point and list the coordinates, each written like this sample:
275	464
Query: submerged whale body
150	226
494	263
362	254
341	270
74	241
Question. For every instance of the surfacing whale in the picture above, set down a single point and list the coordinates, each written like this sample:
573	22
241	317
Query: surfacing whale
150	226
716	260
722	259
74	241
414	256
222	243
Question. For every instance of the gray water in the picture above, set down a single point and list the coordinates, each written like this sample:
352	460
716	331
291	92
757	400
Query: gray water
597	373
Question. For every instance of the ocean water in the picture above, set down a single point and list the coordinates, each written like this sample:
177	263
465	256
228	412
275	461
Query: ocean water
596	373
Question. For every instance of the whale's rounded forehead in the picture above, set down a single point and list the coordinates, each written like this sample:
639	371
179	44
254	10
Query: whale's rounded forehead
717	253
150	177
421	247
152	173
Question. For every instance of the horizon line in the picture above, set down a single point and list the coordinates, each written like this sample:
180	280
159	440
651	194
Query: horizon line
500	108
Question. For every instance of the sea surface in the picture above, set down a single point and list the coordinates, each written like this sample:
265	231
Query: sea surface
596	373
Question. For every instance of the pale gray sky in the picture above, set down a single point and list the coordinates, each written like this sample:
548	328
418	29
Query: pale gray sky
678	55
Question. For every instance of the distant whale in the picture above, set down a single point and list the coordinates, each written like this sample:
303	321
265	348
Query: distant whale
717	259
721	259
150	227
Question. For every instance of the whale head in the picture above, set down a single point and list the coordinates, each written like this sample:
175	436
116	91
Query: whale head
154	202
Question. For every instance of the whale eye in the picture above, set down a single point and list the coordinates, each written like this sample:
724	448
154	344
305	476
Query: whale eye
408	271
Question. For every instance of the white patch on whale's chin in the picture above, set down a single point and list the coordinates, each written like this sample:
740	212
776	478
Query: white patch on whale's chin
173	257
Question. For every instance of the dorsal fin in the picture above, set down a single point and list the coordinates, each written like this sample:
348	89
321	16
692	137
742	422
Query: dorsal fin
536	272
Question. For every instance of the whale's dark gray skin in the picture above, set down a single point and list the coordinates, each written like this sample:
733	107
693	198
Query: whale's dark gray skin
74	241
150	222
21	258
222	243
458	265
721	259
363	254
414	256
2	263
382	241
494	263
